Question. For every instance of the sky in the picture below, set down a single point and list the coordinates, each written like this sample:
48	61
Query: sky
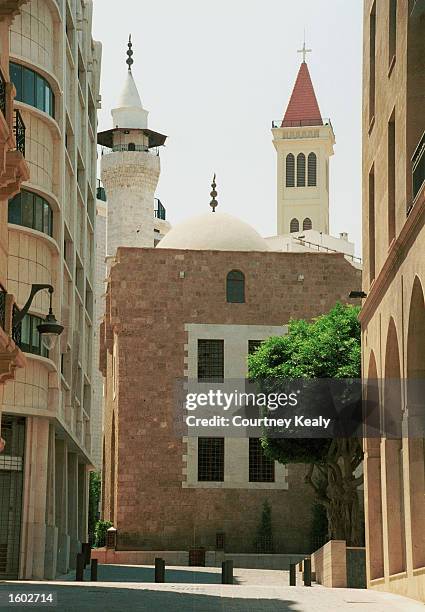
213	76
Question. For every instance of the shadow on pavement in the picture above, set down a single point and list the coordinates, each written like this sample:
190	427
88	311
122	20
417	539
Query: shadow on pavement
110	599
128	573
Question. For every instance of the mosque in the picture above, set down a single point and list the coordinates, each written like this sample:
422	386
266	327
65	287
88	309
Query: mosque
191	302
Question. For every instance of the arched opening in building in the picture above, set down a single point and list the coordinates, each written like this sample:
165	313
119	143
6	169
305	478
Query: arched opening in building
294	226
290	170
415	395
131	146
372	445
113	469
235	287
300	170
312	170
307	224
393	468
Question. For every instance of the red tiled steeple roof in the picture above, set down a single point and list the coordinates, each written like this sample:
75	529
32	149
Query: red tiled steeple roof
303	108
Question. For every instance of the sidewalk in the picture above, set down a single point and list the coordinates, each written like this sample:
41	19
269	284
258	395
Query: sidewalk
199	590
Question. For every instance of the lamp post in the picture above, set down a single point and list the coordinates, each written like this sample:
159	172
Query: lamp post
50	329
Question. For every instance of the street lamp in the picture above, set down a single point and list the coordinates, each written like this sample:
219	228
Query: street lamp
50	329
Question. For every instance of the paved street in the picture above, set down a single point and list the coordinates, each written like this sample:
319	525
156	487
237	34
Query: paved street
199	590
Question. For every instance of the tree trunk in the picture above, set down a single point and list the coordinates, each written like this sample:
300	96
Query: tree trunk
336	488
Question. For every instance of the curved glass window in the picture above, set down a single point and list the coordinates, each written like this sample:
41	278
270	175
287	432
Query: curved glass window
30	338
235	287
307	224
290	170
300	170
294	226
32	88
311	169
31	210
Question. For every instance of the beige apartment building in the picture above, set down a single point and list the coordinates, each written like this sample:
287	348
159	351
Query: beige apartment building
55	67
13	170
393	314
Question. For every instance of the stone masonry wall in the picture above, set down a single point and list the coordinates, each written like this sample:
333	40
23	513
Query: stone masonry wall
148	304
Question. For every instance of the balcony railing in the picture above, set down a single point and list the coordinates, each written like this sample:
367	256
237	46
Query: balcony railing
19	132
159	210
3	94
130	147
3	294
418	167
278	123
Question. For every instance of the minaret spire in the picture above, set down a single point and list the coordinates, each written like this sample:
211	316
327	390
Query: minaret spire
213	194
129	61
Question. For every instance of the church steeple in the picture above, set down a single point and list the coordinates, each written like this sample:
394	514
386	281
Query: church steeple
303	108
304	141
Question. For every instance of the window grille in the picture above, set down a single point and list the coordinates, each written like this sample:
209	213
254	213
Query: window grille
261	468
211	459
211	360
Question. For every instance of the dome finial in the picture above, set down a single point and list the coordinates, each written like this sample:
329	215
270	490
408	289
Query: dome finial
129	61
213	194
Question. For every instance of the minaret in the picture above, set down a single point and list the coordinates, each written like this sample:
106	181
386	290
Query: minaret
130	169
304	142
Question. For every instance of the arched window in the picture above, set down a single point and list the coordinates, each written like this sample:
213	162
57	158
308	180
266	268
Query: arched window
32	88
131	146
31	210
290	170
235	287
312	170
294	226
307	224
300	170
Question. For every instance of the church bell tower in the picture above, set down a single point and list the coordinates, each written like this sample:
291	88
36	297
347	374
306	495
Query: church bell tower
130	169
304	142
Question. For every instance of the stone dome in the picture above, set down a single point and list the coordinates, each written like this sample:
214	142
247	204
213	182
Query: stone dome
214	232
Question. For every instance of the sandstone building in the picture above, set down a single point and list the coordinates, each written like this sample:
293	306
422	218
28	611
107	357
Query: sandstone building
192	308
55	68
393	314
170	314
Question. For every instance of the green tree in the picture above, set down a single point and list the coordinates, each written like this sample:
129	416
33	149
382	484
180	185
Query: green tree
94	498
264	539
326	347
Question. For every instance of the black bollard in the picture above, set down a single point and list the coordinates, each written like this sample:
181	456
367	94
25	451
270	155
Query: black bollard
86	550
79	573
159	570
307	572
227	572
93	570
292	574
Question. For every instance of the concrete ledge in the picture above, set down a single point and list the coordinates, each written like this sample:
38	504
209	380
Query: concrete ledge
140	557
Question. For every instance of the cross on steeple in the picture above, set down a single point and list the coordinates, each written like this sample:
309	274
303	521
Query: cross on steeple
304	51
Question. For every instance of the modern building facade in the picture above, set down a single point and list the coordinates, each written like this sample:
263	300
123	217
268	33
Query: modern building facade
393	314
55	67
13	170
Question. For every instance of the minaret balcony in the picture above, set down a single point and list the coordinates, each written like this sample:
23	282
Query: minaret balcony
131	147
